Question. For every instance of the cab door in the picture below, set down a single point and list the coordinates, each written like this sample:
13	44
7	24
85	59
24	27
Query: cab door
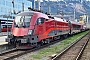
40	26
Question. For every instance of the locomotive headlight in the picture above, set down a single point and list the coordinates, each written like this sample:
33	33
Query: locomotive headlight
30	32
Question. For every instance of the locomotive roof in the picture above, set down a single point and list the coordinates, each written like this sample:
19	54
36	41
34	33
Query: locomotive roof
42	15
31	13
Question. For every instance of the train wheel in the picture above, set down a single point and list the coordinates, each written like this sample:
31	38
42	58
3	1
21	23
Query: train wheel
58	37
38	45
18	44
48	41
65	36
42	42
55	38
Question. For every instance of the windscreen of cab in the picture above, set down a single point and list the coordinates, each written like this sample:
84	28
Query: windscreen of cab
22	20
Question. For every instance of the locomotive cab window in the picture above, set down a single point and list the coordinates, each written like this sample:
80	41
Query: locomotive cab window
40	21
22	21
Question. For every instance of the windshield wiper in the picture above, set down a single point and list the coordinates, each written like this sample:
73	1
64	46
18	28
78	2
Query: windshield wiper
17	26
24	26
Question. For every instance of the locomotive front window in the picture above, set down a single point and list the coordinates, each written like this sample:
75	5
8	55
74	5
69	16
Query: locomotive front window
22	21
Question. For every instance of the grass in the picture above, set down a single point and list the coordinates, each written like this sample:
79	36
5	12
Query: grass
57	48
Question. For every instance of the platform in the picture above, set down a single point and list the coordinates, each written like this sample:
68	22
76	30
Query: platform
2	40
3	43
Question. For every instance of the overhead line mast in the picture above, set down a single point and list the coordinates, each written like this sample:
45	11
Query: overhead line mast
38	4
34	5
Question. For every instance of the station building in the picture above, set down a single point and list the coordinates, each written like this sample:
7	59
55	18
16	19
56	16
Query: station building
9	9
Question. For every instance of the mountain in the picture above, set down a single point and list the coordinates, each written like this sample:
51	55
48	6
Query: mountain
66	7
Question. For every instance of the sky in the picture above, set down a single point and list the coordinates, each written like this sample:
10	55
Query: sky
58	0
51	0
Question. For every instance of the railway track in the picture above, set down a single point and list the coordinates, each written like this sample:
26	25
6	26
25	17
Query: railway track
74	51
15	53
9	54
86	53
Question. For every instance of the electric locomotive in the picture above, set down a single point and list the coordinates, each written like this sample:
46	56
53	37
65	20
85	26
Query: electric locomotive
35	28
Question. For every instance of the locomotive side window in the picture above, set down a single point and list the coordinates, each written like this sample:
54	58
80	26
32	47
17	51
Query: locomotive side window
40	21
77	27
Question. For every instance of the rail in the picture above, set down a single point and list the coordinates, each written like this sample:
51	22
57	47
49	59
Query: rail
67	49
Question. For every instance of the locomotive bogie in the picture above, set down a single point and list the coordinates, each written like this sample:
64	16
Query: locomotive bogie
31	40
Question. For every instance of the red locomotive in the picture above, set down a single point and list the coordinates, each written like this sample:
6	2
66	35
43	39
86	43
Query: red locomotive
35	28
